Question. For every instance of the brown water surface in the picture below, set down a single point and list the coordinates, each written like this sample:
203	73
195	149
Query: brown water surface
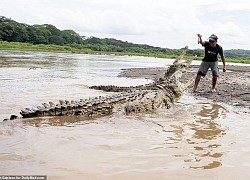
196	139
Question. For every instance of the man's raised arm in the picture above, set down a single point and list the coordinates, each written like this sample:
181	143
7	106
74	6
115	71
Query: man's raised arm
200	40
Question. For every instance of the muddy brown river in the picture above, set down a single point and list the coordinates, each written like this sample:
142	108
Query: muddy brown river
196	139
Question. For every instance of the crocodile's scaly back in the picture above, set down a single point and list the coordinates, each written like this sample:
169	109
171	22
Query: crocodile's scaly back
144	98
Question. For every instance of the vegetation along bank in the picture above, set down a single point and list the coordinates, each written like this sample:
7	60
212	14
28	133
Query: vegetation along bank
46	37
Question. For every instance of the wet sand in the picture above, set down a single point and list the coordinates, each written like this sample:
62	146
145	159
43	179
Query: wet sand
233	87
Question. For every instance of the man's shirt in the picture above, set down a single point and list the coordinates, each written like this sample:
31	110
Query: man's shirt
212	52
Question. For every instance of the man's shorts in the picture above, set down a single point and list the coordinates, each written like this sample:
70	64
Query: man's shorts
206	65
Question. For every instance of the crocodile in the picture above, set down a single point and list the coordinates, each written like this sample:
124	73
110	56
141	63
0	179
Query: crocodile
162	93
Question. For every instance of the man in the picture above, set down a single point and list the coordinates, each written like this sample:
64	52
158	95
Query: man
210	60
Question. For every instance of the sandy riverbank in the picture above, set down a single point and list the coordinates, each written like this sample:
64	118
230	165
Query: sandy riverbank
233	87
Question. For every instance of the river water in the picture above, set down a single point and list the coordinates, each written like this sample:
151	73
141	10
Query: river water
196	139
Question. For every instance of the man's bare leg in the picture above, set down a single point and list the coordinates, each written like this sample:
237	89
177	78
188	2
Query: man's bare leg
214	80
196	82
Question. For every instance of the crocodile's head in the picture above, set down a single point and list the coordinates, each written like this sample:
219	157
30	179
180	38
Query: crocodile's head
172	80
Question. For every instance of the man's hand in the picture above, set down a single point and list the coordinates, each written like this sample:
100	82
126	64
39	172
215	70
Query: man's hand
224	63
199	39
224	69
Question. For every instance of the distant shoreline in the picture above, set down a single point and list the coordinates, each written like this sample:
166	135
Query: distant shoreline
17	46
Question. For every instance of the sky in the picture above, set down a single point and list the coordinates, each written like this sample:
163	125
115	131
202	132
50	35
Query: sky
161	23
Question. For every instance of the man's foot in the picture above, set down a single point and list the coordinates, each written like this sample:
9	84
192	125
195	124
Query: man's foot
213	90
194	91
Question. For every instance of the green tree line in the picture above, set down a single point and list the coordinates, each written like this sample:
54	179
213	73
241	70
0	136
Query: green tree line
47	34
13	31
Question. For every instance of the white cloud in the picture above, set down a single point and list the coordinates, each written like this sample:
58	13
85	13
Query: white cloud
231	34
233	5
164	23
229	29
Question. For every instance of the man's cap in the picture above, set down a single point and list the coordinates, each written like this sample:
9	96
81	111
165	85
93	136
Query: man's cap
213	37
